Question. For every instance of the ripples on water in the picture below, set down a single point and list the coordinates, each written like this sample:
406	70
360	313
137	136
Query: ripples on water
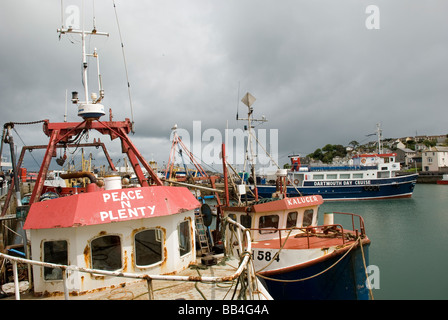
409	242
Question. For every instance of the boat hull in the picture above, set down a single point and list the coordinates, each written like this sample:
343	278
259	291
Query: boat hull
398	187
344	280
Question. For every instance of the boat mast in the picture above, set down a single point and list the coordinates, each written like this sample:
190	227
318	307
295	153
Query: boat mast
87	108
379	134
84	59
248	100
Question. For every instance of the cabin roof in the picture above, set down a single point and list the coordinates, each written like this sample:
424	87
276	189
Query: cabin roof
105	207
380	155
280	204
289	203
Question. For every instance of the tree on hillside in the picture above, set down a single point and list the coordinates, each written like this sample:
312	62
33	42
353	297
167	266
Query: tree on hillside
354	144
327	153
316	155
429	143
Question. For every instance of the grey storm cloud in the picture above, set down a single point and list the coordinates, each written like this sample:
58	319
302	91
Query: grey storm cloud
319	74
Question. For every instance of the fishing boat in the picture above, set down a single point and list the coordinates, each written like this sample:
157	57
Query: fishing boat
367	177
82	242
296	256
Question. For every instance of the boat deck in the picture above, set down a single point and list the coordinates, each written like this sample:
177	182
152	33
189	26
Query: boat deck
302	241
169	289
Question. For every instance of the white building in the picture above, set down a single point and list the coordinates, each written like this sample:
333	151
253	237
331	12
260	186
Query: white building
406	156
435	159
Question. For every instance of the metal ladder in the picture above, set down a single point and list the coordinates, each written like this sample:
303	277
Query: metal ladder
201	233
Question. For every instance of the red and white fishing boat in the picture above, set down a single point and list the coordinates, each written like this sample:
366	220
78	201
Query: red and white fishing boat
444	179
87	240
294	255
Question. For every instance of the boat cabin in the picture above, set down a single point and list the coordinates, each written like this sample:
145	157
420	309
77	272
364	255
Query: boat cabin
266	217
364	166
382	160
146	230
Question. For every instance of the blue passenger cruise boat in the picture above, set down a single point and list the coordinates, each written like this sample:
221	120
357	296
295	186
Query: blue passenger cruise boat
370	176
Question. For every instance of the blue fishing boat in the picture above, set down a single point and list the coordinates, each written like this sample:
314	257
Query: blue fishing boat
294	255
296	258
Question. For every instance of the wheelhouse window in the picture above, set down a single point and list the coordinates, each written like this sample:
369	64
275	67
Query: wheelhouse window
384	174
246	221
55	252
269	222
307	217
291	220
148	247
106	253
184	237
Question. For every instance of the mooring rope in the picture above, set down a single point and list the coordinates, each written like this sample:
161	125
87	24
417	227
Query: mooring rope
317	274
277	253
365	270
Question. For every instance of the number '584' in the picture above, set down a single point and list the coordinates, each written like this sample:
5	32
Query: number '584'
265	256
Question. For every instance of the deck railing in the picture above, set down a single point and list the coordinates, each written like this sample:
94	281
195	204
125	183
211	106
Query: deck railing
311	231
245	265
354	217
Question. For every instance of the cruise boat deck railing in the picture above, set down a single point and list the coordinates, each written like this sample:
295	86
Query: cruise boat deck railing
338	168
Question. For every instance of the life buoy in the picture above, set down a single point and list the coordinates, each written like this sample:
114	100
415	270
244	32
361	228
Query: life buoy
206	212
296	181
363	160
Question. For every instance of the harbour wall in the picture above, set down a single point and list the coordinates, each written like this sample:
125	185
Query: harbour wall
429	177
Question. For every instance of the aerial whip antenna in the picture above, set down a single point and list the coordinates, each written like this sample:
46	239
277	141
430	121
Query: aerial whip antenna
125	67
62	17
93	14
89	108
238	101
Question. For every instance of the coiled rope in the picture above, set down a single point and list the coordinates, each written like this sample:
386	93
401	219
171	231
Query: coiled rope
242	278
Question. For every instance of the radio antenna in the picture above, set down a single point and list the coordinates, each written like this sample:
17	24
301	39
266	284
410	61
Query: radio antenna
238	101
125	67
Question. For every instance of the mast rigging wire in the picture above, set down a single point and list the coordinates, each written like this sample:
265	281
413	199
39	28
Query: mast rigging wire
125	67
38	164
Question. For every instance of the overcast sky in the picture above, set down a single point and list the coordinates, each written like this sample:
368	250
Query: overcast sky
318	73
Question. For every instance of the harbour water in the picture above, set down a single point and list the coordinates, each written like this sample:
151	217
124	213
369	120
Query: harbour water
409	243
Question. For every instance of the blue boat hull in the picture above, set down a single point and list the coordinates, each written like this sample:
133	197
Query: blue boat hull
397	187
344	281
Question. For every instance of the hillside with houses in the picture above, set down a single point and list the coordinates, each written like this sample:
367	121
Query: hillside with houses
426	153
